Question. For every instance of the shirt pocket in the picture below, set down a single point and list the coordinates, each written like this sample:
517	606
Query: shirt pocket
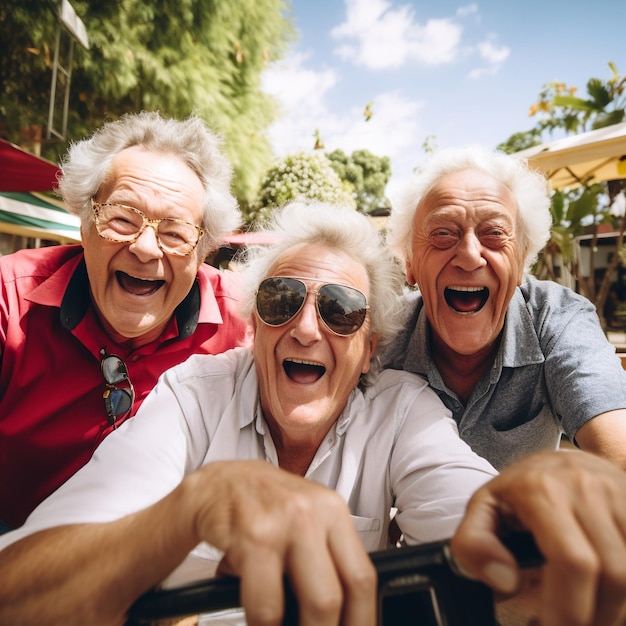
369	530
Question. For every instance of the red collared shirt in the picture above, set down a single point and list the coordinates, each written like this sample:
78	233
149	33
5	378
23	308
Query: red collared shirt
52	414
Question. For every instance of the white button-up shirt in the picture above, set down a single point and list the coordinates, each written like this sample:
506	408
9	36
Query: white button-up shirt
394	445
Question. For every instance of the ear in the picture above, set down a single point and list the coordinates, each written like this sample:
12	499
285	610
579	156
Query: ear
410	277
522	266
373	341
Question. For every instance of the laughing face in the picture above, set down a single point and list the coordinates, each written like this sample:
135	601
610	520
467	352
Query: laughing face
306	373
137	286
466	259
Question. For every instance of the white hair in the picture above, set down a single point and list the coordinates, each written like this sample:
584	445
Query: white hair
341	228
529	188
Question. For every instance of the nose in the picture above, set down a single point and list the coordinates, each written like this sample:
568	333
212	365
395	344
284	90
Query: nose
306	325
146	247
469	255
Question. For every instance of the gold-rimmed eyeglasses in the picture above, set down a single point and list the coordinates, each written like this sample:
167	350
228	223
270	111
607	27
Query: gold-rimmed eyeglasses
124	224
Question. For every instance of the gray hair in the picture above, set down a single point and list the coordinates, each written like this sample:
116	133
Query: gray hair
88	163
345	230
529	188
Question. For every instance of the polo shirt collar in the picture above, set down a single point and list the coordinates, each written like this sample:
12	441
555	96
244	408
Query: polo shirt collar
520	344
71	280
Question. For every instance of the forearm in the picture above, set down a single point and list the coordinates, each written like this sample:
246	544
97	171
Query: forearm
91	573
605	435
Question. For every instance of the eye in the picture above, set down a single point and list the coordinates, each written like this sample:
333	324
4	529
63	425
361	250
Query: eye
171	235
494	236
443	238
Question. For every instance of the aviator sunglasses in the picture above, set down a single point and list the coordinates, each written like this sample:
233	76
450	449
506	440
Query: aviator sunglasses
117	401
280	298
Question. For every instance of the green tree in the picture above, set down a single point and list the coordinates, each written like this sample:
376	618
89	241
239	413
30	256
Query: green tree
176	56
558	108
367	173
300	176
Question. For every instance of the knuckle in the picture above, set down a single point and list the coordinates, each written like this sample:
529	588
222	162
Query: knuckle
263	615
365	579
325	607
584	564
614	575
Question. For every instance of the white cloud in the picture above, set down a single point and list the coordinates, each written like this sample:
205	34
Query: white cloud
300	92
470	9
394	129
383	37
494	55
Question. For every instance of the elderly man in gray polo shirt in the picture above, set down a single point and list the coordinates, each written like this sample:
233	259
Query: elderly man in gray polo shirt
518	361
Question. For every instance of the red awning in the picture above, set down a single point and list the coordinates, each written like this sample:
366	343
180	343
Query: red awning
22	171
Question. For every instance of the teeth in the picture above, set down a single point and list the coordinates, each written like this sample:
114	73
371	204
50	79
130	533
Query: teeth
458	288
146	280
301	362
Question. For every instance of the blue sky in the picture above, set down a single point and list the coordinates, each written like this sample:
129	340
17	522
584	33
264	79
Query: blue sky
458	72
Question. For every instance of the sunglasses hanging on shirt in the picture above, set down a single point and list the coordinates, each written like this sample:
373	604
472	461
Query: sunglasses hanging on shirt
117	400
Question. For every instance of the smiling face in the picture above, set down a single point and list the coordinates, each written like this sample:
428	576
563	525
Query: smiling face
136	286
306	372
466	258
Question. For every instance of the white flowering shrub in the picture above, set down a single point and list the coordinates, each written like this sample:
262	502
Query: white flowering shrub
303	175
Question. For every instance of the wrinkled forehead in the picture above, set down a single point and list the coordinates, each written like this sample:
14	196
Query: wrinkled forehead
468	192
322	263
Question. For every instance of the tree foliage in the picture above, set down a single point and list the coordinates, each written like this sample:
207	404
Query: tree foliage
300	176
559	108
576	211
175	56
367	173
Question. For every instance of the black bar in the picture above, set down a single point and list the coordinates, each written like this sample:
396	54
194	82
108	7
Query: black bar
416	581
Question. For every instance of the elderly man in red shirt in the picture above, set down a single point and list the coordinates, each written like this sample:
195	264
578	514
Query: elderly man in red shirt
86	330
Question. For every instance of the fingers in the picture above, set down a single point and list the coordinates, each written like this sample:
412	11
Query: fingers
586	576
357	575
262	588
477	549
573	505
271	524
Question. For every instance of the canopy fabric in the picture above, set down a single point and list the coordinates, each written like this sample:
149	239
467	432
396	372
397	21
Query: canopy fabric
22	171
595	156
28	215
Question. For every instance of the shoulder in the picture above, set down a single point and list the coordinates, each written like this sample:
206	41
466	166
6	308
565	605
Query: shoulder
399	388
394	353
541	294
37	261
231	364
223	282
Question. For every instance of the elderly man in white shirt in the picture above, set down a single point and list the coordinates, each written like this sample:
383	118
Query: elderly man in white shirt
306	398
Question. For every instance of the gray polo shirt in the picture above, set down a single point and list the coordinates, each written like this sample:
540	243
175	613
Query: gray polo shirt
554	371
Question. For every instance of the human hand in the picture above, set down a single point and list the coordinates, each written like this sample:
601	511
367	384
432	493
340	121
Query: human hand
270	523
574	503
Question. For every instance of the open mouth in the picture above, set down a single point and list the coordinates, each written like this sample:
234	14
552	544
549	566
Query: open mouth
466	299
138	286
303	372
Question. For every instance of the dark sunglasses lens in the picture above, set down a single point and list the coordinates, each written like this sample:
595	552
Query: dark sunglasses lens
114	370
342	308
279	299
118	401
